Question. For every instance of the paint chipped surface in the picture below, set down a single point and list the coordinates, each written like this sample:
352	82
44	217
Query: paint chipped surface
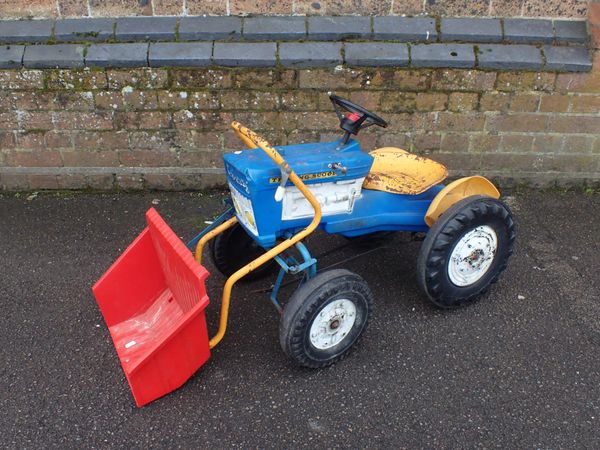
399	172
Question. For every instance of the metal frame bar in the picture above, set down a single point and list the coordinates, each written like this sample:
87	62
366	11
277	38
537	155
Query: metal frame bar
229	212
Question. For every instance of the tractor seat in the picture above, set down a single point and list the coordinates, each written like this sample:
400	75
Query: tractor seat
399	172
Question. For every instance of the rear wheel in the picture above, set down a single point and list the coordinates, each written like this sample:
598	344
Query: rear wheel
233	249
325	317
465	251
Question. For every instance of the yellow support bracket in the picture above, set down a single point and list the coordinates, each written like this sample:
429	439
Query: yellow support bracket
253	140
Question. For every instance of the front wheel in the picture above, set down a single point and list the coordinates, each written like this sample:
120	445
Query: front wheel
465	251
325	317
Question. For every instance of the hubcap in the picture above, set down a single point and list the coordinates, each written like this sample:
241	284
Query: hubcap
332	324
472	256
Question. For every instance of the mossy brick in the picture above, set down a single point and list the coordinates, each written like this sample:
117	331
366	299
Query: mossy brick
146	28
376	54
462	101
518	143
245	54
405	29
525	81
547	143
570	31
203	28
567	59
528	31
463	80
470	30
399	102
69	79
84	29
172	99
431	101
11	56
76	120
274	28
442	55
310	54
53	56
204	100
262	79
335	28
248	100
525	102
299	100
180	54
509	57
137	78
38	31
117	55
198	79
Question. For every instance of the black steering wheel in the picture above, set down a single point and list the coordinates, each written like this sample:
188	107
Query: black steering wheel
357	118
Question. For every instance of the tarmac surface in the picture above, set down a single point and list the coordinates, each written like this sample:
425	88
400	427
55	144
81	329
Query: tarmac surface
518	369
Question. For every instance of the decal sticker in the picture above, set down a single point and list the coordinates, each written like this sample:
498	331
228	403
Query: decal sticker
307	176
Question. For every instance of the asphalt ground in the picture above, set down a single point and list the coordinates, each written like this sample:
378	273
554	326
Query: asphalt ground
518	369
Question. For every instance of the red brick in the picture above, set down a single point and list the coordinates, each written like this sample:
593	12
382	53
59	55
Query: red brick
30	140
519	143
594	13
367	99
459	122
71	181
34	120
207	121
59	139
425	142
8	121
516	122
554	103
90	158
405	80
82	121
158	181
484	142
72	8
200	158
168	8
459	162
111	100
399	102
388	139
594	31
42	181
574	124
172	99
13	182
586	104
524	102
112	8
141	100
130	182
156	140
34	158
578	144
547	143
101	181
211	7
431	101
494	101
261	7
144	120
7	140
100	139
455	142
148	158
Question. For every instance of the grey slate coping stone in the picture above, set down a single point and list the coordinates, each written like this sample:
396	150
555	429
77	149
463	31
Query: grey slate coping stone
26	30
442	55
471	30
528	31
333	28
572	59
568	31
274	28
146	28
86	29
117	55
180	54
210	28
509	57
53	56
405	29
310	54
376	54
245	54
11	56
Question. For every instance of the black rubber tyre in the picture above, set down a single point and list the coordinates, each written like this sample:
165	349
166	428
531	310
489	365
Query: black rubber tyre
233	249
434	257
309	301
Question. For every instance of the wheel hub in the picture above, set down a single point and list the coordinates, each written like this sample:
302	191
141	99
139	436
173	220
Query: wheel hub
332	324
472	256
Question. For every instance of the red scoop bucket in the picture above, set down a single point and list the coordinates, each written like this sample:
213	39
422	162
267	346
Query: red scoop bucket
153	299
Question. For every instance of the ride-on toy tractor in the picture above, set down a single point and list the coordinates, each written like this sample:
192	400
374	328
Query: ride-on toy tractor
153	297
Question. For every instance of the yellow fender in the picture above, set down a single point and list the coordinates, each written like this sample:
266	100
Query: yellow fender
456	191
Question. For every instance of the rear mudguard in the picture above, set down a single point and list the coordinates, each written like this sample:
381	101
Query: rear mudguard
456	191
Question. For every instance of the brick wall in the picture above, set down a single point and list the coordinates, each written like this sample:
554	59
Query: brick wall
111	8
167	128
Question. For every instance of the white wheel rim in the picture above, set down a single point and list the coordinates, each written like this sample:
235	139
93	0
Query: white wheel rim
332	324
472	256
